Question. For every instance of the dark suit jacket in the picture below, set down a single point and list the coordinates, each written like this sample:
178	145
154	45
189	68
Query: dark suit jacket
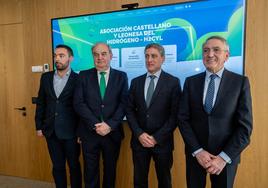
228	127
159	119
91	107
54	113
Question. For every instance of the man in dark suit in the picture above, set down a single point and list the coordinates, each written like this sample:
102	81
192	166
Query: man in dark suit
215	119
100	100
56	119
151	114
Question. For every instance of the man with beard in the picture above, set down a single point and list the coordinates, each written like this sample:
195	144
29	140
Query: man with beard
56	119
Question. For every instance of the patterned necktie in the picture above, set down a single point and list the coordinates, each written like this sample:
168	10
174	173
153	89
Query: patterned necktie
102	84
150	90
210	94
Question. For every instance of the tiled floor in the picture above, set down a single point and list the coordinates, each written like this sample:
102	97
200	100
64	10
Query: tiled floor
15	182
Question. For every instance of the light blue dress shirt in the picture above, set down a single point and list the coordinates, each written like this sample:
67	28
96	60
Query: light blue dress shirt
60	82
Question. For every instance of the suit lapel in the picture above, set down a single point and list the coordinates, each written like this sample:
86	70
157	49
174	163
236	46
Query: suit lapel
51	85
68	83
140	86
95	82
110	84
197	88
223	88
160	84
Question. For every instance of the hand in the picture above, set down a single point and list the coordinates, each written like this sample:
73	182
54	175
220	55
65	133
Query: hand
79	141
153	140
102	128
146	140
204	157
39	133
216	165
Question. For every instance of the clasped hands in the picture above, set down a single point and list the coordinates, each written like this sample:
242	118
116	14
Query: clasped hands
213	164
102	128
147	140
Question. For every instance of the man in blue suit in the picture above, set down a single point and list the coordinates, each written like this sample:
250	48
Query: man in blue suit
56	119
215	119
100	99
151	114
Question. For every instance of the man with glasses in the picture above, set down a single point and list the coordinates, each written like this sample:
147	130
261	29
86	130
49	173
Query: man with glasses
215	119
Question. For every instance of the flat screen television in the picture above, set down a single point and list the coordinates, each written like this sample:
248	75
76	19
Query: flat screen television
181	28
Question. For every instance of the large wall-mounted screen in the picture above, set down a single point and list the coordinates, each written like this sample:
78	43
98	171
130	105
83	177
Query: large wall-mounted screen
181	28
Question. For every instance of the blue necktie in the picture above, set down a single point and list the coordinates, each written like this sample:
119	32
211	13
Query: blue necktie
150	90
210	94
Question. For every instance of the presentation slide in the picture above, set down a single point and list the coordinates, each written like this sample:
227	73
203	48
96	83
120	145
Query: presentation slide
181	28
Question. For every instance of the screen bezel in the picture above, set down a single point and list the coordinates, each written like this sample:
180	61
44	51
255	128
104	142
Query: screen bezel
156	6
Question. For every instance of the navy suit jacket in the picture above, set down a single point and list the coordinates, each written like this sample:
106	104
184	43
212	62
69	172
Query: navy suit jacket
228	127
56	114
159	119
93	109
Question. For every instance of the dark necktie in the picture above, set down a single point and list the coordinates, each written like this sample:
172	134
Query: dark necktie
150	90
210	94
102	84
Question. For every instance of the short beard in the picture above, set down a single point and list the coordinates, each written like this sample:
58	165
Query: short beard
61	68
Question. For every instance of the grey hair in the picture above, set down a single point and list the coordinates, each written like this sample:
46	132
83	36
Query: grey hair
157	46
223	40
108	46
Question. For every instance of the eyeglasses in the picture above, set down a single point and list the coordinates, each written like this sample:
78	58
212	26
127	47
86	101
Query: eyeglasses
215	50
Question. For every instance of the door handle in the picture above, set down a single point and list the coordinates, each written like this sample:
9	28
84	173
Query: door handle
21	109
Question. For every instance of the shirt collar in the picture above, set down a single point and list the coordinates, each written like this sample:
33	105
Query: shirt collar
107	71
219	73
157	74
66	75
